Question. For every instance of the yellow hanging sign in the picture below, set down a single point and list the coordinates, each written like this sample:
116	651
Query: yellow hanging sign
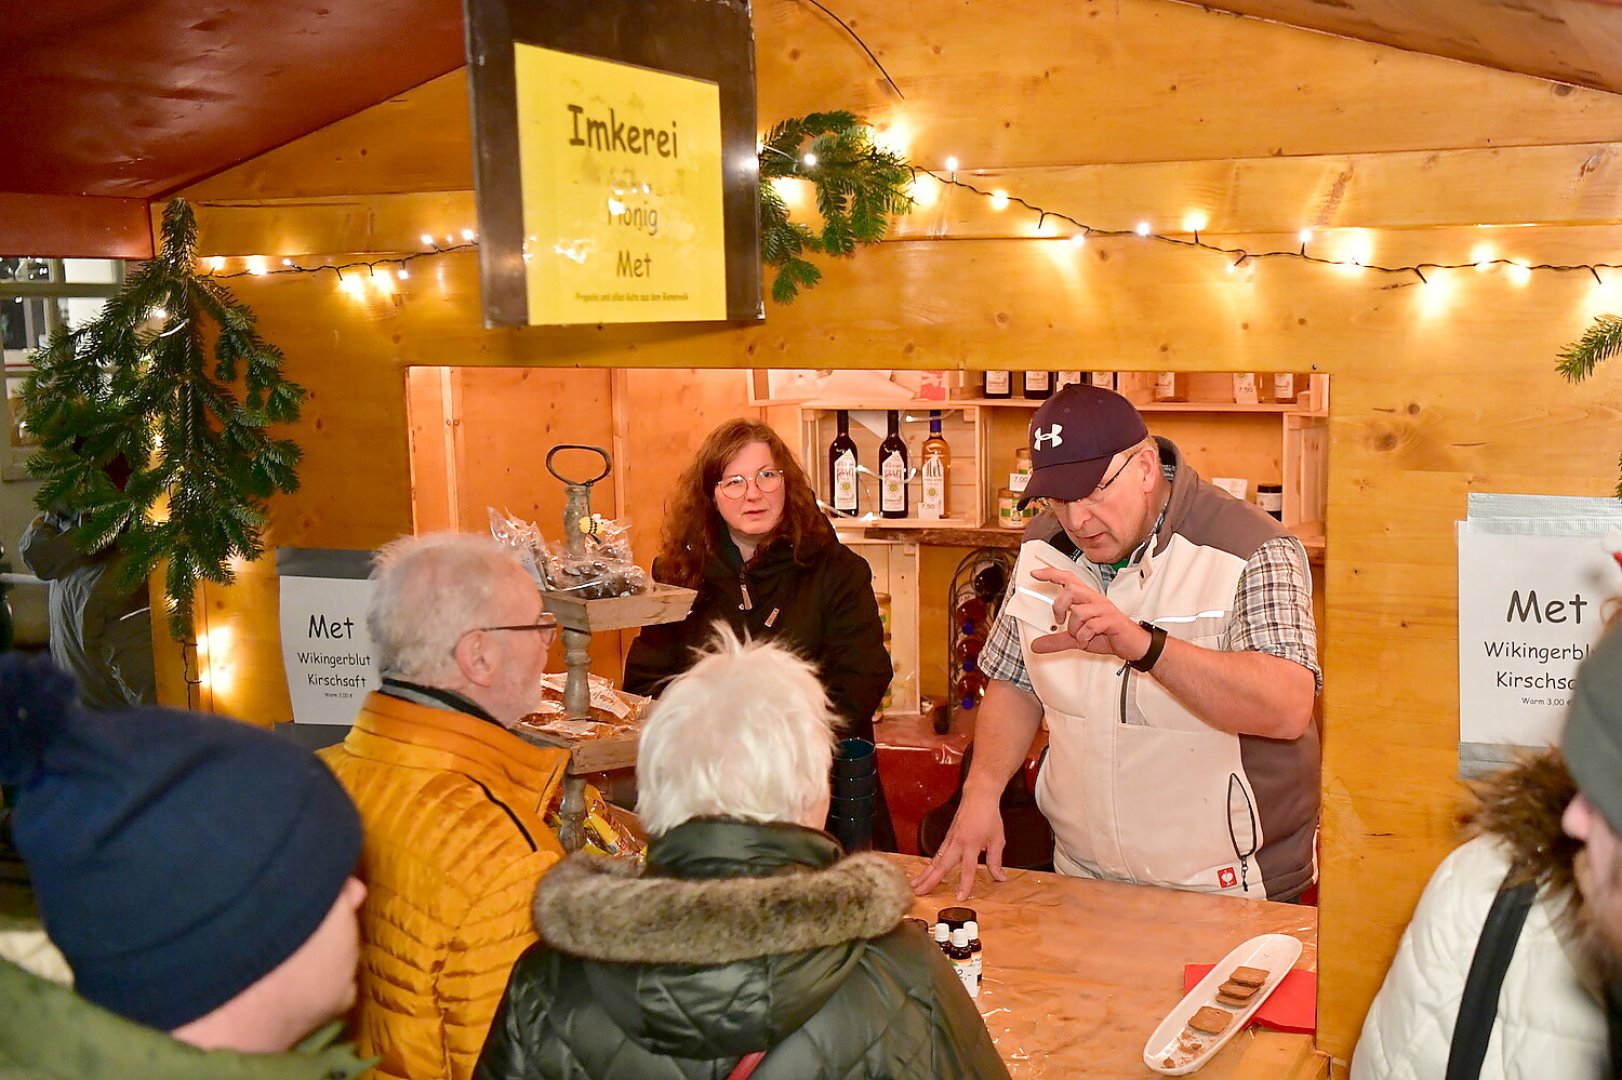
621	172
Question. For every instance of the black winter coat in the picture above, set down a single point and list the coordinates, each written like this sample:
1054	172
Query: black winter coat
823	609
739	937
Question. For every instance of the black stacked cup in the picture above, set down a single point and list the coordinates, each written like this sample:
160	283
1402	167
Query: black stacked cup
855	794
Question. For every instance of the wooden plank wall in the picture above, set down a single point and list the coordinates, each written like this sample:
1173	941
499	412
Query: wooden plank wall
1111	111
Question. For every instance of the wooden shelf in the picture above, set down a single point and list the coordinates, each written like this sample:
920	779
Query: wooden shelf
1310	535
949	536
1266	407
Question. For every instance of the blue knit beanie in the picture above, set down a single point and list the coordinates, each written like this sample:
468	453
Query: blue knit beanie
177	858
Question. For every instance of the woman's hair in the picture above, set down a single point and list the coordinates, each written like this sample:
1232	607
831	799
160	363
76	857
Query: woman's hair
429	591
693	527
745	733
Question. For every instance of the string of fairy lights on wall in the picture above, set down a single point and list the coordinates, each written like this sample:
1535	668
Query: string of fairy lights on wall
385	273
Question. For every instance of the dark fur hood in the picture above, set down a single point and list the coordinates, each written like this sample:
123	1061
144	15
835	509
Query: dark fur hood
1522	806
607	910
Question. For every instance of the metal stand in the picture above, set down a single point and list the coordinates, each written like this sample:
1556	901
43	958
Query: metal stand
576	643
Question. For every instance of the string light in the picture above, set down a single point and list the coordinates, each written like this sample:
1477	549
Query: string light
810	160
1078	239
999	199
1359	258
256	265
397	263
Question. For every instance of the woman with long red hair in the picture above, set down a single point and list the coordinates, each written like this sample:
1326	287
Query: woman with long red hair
742	527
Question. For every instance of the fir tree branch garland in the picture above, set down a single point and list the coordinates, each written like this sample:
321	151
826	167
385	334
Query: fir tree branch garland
137	383
1599	342
859	186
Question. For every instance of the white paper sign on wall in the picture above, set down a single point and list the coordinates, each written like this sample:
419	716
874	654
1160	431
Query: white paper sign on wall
1535	588
326	649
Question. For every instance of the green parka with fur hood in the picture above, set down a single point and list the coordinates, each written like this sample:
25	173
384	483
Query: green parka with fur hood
739	937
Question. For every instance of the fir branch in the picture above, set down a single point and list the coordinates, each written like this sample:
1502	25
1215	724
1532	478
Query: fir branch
1599	342
858	187
192	431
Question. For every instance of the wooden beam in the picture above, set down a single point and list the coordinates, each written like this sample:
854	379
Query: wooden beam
74	227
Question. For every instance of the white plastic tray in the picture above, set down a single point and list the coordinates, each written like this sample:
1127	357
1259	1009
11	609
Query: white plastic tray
1188	1050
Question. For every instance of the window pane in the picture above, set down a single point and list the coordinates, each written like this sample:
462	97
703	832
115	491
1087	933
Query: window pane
91	271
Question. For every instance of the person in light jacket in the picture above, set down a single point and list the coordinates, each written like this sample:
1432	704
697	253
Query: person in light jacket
747	932
1550	1021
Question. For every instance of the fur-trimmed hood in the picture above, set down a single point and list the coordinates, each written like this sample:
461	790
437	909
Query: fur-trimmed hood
735	936
1521	806
608	910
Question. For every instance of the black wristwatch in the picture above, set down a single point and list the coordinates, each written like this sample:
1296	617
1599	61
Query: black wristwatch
1157	642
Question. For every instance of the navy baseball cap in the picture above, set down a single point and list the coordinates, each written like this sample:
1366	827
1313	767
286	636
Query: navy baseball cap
1073	437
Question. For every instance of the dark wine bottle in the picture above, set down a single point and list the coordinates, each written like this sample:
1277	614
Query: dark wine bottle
1038	383
843	492
893	471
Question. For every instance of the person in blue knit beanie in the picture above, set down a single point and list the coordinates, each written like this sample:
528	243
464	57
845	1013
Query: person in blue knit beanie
198	876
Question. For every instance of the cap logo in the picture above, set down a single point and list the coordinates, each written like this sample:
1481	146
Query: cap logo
1051	436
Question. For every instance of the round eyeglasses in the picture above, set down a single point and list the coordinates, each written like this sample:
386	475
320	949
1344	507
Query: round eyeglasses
766	481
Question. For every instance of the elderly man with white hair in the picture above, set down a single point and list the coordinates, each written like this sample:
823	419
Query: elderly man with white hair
748	946
452	802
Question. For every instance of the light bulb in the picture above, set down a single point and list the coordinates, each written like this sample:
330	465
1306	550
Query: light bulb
1143	228
468	234
951	165
1078	239
1519	273
1195	222
810	160
404	273
427	240
1305	235
999	199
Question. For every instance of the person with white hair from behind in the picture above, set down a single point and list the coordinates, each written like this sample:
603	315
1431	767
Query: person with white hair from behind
747	945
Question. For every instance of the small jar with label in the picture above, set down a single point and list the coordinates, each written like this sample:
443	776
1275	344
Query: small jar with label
1270	497
1021	475
1009	515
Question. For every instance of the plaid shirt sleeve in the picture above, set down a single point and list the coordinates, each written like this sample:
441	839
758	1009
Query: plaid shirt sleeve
1001	657
1272	609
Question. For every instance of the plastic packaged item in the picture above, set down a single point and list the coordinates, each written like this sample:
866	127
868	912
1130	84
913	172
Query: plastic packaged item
605	834
605	569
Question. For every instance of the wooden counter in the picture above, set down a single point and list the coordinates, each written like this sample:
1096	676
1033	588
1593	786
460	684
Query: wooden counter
1078	973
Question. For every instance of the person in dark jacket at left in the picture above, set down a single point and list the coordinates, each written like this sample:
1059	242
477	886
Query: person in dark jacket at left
748	943
197	874
742	527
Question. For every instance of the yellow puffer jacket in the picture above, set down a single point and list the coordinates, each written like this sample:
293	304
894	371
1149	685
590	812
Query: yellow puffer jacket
452	807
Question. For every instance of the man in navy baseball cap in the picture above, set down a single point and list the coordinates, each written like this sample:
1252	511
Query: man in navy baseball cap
1075	436
1174	665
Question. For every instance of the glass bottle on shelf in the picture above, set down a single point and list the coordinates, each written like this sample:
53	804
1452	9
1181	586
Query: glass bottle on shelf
935	471
990	582
1105	379
843	492
1063	379
970	686
999	383
971	614
893	471
1171	386
1038	384
1246	389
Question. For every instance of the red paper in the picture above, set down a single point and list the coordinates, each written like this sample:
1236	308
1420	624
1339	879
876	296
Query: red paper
1292	1006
